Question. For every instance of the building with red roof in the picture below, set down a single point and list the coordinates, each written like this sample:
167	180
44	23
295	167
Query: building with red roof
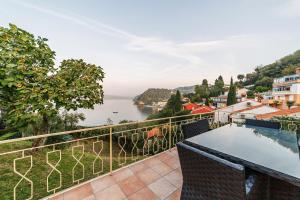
190	106
202	109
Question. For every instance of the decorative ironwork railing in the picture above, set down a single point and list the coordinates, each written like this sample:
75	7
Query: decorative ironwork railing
65	159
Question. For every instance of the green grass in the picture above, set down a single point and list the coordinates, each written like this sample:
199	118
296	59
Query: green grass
40	169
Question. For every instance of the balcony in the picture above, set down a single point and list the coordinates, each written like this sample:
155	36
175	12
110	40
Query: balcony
158	177
89	163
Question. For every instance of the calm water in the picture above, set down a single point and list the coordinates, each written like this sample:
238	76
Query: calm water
125	108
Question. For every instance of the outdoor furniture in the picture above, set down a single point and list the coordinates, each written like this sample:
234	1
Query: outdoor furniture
262	123
209	177
195	128
271	152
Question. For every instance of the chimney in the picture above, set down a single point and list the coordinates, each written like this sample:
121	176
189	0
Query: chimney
298	70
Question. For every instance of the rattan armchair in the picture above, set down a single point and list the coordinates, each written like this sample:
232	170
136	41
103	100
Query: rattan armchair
195	128
207	177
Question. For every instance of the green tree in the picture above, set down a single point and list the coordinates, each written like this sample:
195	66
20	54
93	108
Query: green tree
32	90
231	98
205	83
174	103
265	82
219	84
250	94
261	89
290	104
240	77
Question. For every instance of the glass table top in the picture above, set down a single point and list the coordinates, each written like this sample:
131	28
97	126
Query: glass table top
270	148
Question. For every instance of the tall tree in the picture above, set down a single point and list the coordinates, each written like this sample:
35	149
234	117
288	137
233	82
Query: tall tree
205	82
240	77
32	90
174	104
231	98
219	83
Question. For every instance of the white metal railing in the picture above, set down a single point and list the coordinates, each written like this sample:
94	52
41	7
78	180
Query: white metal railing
65	159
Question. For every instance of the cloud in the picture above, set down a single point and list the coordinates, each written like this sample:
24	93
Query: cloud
185	51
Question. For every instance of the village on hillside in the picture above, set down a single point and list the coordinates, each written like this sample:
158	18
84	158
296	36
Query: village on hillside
282	101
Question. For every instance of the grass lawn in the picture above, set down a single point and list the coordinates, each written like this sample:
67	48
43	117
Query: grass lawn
40	169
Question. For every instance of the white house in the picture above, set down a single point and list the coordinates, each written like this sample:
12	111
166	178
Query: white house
251	112
223	115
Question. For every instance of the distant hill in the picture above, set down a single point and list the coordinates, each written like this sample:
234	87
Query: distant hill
264	75
153	95
185	89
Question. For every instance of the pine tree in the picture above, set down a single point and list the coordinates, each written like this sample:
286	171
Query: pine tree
231	98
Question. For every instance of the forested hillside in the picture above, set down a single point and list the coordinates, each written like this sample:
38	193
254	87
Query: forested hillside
263	76
153	95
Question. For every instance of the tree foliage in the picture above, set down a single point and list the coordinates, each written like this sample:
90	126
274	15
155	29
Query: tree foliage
290	103
172	108
264	75
231	98
32	89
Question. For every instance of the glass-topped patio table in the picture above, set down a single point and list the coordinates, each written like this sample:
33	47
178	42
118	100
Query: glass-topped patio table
270	151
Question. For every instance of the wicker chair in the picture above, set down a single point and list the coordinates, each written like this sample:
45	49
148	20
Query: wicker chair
262	123
195	128
207	177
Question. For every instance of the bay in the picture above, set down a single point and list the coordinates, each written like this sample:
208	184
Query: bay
114	109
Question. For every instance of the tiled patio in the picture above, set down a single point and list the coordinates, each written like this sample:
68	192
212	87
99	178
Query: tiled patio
158	177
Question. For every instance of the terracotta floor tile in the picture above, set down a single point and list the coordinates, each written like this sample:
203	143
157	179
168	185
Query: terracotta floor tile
131	185
162	169
92	197
162	188
174	178
175	195
102	183
175	153
58	197
164	156
79	193
148	176
122	174
173	163
136	168
144	194
114	192
152	161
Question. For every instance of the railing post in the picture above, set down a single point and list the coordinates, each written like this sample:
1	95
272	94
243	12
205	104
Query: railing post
110	151
170	133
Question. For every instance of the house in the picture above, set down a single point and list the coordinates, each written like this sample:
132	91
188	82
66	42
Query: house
190	106
223	115
221	101
251	112
202	109
293	112
287	88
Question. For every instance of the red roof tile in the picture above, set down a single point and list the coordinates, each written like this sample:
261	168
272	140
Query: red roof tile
278	113
202	109
190	106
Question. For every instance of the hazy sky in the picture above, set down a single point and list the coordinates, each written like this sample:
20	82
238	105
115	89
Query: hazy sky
162	43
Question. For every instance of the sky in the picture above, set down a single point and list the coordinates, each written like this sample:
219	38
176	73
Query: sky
144	44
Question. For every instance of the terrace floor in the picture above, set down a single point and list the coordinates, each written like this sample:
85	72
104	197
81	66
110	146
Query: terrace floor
158	177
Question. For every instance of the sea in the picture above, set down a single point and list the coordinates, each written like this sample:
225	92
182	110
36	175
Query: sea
113	110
